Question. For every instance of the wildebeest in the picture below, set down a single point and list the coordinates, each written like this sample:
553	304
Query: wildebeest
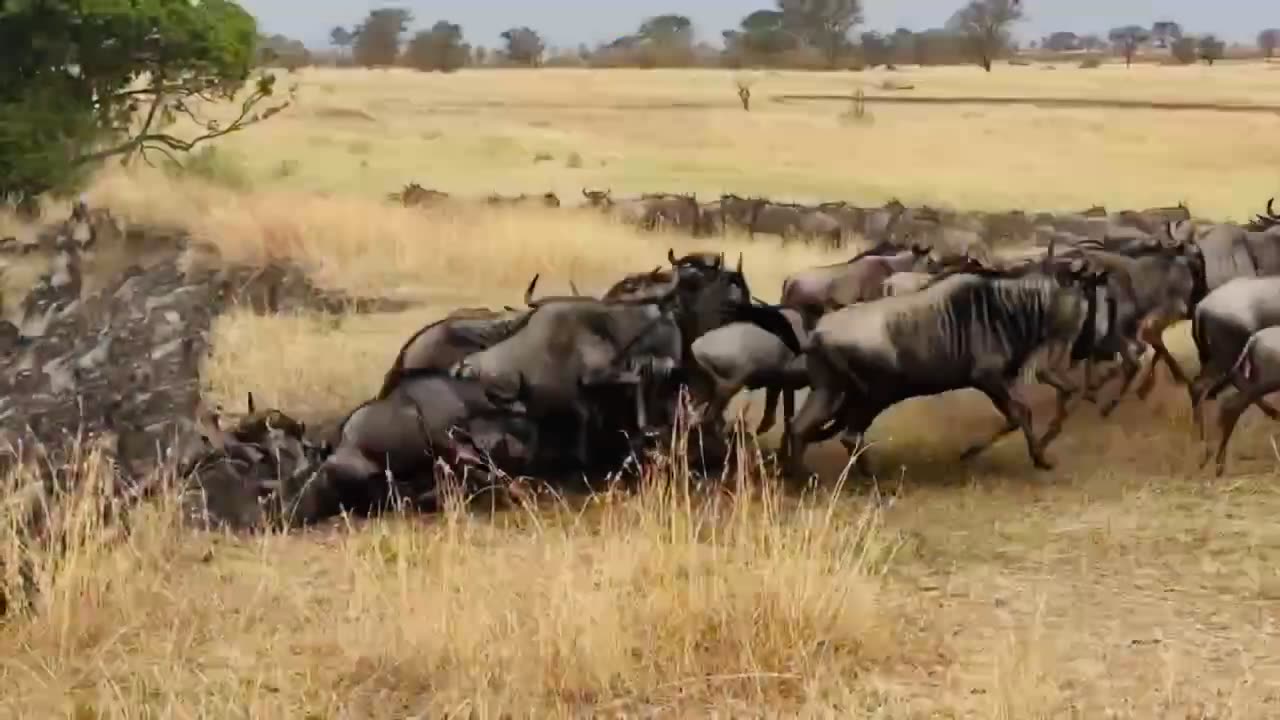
564	347
1221	326
788	221
414	195
441	344
966	331
829	287
547	199
1255	374
742	355
428	416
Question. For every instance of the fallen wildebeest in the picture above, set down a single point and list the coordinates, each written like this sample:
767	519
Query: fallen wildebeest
829	287
965	331
441	344
393	442
1221	326
1255	374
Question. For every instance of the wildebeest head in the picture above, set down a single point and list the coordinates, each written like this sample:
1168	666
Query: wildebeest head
597	198
255	426
550	199
1266	220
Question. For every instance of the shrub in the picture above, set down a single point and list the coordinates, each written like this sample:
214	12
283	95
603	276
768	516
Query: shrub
1091	63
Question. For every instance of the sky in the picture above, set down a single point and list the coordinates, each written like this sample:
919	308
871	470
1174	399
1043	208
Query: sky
570	22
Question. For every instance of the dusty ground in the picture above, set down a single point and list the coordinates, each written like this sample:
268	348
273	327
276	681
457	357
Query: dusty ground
1126	583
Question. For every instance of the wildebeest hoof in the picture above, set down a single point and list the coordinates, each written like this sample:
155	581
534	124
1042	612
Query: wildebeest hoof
1043	464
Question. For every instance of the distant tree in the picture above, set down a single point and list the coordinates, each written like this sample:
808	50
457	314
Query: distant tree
1062	42
342	39
903	43
440	48
1165	32
1128	39
1268	41
377	41
760	34
1185	50
876	49
668	39
985	24
1092	43
524	46
281	51
823	24
1211	49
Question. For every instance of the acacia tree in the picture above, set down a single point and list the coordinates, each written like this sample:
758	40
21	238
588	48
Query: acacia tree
823	24
1211	49
985	26
440	48
1127	39
342	39
377	40
524	46
83	82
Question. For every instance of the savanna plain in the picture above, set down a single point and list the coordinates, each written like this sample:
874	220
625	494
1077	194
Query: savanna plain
1124	583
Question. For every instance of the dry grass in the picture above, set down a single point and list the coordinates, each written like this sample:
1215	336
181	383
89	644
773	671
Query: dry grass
1124	584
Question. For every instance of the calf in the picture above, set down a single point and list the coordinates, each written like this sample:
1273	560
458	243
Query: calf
1221	326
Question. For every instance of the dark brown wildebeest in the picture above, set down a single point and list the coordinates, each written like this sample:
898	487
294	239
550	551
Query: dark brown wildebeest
547	199
441	344
788	221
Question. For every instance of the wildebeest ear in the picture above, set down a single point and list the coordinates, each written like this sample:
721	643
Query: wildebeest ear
250	402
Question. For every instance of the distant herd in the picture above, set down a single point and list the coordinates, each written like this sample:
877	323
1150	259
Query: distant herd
578	384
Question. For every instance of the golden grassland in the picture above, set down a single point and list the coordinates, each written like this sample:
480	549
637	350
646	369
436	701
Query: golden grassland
1123	584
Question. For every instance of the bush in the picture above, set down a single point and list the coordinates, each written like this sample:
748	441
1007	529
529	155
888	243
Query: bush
1184	50
1091	63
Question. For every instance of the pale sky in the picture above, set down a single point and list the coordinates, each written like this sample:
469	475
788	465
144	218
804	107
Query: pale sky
569	22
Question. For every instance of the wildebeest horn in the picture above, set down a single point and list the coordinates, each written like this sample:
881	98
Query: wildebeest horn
739	263
528	293
720	261
586	194
574	288
671	256
250	402
1270	211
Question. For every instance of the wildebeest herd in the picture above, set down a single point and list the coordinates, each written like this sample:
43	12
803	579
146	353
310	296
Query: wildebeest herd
578	383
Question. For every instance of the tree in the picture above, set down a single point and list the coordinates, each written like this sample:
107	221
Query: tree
524	46
1268	41
823	24
876	50
440	48
1185	50
669	39
377	40
1062	42
1211	49
985	24
342	39
91	81
1092	43
760	34
1165	32
1127	40
281	51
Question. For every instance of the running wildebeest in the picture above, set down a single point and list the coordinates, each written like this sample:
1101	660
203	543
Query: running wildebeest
965	331
1221	326
1255	374
414	195
788	221
829	287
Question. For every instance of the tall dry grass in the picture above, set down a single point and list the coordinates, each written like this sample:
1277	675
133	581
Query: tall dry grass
665	600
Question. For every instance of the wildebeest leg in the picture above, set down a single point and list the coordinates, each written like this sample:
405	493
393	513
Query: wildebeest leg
1199	388
1230	412
788	414
821	406
771	395
1017	413
1156	340
1131	361
1234	379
